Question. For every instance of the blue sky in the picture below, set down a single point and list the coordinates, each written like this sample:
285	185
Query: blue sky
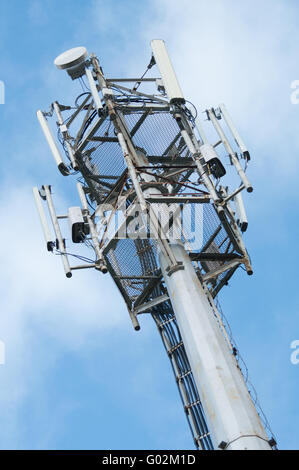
76	374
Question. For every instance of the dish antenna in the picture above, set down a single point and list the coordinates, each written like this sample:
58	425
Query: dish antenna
73	61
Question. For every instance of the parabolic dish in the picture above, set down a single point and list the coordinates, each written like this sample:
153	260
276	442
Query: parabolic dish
71	58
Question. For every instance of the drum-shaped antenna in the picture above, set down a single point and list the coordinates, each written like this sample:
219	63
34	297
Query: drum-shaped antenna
72	61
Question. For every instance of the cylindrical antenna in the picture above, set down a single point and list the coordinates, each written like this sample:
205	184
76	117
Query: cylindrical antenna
52	144
59	238
95	239
201	171
43	219
234	131
229	150
167	72
241	213
93	89
64	131
200	131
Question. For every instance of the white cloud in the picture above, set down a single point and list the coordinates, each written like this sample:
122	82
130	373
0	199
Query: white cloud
243	54
37	280
39	305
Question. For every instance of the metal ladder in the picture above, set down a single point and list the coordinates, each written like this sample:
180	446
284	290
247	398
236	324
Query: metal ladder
165	320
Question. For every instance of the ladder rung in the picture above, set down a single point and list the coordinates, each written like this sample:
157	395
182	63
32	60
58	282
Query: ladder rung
177	346
181	377
166	322
194	403
199	438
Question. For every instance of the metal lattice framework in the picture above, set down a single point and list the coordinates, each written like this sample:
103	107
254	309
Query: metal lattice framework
133	263
135	149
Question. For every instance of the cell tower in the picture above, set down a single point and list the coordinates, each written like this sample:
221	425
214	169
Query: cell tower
157	213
